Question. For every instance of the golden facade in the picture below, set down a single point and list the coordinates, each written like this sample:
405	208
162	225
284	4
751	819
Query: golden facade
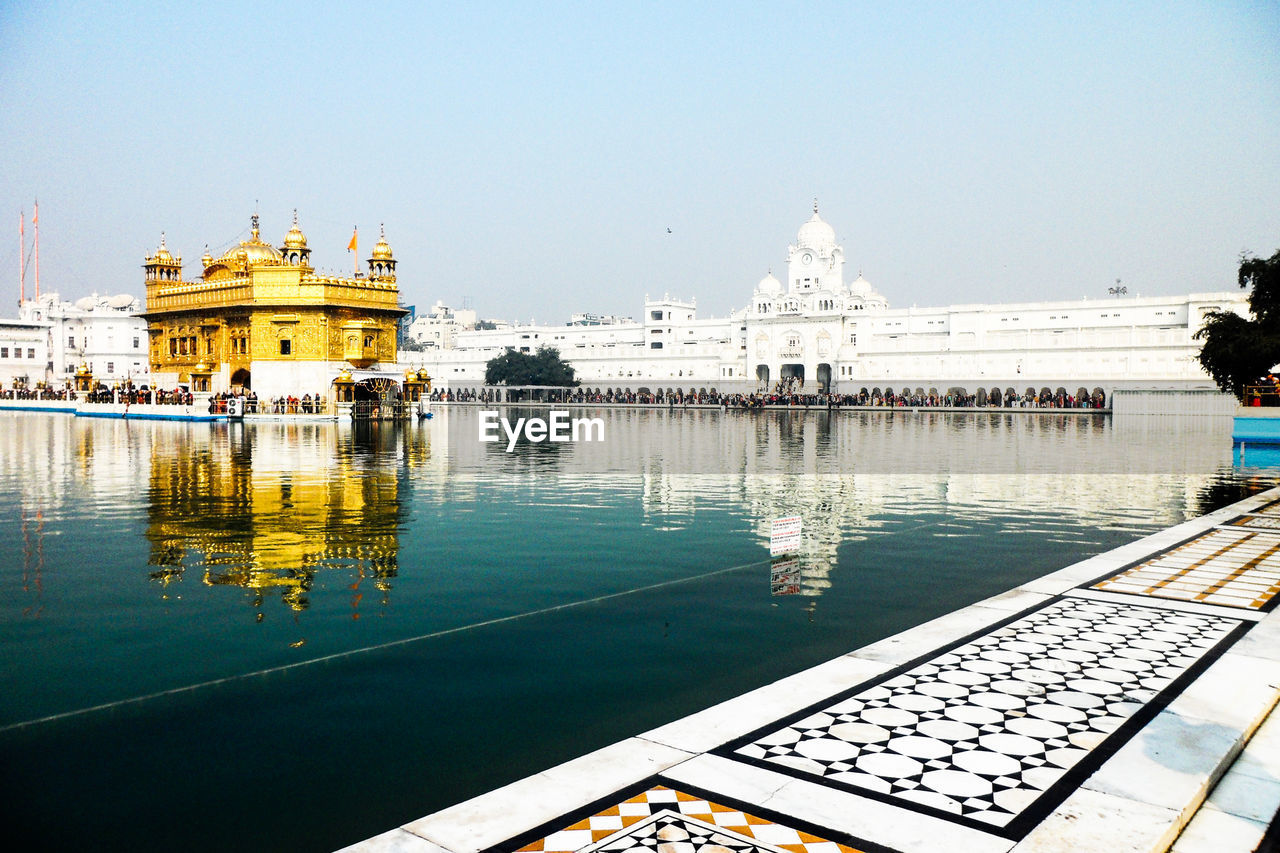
259	309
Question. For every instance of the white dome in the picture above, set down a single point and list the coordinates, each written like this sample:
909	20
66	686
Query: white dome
86	303
769	285
122	300
816	234
861	287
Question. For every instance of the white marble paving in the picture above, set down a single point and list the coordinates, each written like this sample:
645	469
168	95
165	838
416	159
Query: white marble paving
1214	831
718	724
1237	692
395	841
901	829
1171	604
492	818
1094	821
1231	566
1171	763
1239	808
923	639
1263	640
984	730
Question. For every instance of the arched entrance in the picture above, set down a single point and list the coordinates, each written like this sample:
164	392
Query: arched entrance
377	397
824	378
762	374
792	371
241	378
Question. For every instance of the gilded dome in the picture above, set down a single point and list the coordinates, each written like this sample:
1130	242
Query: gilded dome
251	251
295	239
382	251
162	255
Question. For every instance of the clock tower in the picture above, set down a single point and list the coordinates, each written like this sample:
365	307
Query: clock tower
815	262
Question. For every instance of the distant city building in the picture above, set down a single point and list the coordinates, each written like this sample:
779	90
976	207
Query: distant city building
439	327
261	318
818	333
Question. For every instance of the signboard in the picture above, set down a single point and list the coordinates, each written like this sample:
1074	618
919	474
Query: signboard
785	535
784	577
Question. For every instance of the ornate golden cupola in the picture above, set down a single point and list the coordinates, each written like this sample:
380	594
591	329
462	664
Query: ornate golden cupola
295	249
382	266
163	266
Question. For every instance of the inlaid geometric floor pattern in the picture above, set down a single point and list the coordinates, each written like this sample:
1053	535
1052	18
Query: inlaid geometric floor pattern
1272	508
672	821
1257	522
982	732
1233	567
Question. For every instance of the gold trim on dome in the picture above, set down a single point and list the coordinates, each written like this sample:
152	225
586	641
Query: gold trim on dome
295	239
381	251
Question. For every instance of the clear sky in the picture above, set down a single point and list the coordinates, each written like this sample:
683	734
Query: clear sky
531	157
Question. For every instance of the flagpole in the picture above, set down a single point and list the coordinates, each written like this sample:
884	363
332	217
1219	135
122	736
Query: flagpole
22	259
35	224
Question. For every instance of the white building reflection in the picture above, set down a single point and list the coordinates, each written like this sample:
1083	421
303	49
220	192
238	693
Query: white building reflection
270	507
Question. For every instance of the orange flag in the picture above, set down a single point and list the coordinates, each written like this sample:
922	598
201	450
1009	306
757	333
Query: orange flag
351	247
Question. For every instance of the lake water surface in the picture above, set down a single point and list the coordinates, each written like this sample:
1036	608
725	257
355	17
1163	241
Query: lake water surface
294	636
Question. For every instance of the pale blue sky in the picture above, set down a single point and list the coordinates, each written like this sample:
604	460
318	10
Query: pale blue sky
530	157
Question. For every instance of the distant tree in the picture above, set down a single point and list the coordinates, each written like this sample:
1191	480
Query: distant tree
545	367
485	325
1238	351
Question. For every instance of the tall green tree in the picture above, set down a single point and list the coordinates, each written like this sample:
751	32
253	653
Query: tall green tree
545	367
1238	351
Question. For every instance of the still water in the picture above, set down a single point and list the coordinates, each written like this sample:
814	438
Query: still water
295	636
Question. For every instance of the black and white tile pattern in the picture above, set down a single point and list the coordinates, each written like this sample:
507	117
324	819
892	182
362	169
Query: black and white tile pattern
669	832
981	731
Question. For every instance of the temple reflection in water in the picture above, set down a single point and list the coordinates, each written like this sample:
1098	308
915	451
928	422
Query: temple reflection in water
293	512
272	510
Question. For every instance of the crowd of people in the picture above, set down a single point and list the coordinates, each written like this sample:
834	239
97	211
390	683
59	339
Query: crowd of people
286	404
24	393
791	393
786	393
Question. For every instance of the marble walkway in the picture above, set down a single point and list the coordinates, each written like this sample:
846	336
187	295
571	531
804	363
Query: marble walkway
1106	706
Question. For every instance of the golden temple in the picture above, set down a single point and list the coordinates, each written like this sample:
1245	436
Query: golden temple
261	317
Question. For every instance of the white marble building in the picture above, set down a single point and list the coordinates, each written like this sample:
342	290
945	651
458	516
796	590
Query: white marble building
821	332
103	332
24	352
